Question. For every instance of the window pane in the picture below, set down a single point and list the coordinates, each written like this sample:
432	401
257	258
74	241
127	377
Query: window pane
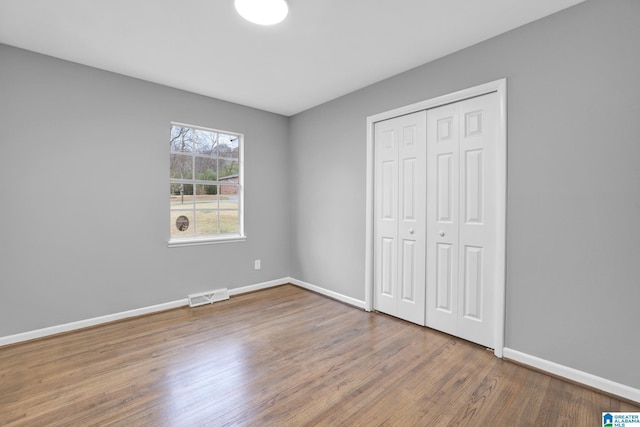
229	222
229	212
207	222
181	196
181	139
181	223
228	146
228	197
206	196
206	168
181	166
205	142
228	168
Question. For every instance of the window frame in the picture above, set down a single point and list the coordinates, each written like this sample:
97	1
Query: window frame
220	237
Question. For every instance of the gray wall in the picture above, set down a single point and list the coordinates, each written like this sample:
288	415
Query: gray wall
573	240
84	211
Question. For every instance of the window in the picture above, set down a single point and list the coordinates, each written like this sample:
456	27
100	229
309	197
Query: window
205	185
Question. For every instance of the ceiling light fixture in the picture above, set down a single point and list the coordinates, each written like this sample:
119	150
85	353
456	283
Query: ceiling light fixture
263	12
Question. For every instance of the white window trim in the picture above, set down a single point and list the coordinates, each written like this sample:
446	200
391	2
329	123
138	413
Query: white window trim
178	242
197	241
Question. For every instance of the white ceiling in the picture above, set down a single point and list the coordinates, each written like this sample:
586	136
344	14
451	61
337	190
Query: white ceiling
324	49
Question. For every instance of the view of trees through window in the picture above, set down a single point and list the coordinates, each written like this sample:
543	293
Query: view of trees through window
204	182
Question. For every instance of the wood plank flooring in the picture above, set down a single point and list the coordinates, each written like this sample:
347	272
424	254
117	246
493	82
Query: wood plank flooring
279	357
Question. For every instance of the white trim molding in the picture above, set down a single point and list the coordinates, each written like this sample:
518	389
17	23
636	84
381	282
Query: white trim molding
331	294
178	243
81	324
581	377
500	87
259	286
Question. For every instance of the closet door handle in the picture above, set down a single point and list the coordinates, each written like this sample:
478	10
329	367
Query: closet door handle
441	233
411	231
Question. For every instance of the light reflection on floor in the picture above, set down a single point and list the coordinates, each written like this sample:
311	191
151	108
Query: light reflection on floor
197	391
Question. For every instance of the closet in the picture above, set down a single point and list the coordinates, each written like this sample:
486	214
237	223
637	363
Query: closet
436	217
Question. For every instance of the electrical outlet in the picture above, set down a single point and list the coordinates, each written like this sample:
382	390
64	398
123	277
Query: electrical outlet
256	264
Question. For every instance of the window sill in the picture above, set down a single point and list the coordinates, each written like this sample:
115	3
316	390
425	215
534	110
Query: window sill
195	241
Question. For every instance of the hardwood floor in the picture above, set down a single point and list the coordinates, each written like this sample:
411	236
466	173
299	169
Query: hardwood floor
285	357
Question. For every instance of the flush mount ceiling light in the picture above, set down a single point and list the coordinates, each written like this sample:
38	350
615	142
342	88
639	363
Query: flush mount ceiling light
263	12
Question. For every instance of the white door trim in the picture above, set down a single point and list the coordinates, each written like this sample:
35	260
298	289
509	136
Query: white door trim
500	87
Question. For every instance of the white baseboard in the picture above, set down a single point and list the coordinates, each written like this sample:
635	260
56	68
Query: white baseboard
258	286
52	330
67	327
331	294
575	375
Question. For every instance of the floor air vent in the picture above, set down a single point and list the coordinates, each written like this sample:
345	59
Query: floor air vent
208	297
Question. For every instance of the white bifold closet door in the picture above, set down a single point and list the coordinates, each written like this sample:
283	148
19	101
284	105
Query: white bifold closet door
400	216
461	218
435	217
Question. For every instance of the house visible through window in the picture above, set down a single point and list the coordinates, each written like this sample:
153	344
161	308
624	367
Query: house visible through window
205	193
